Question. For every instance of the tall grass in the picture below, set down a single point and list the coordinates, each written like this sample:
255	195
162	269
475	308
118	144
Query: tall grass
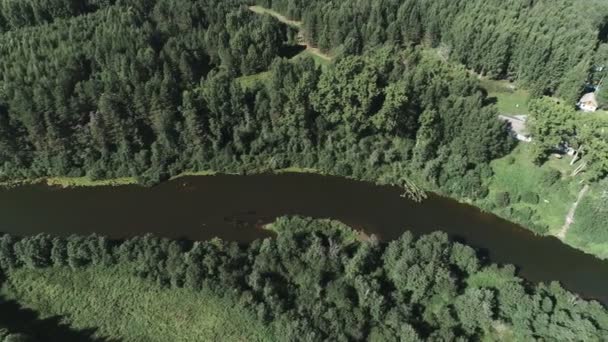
123	307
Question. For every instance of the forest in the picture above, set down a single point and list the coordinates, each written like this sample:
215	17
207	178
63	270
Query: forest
552	47
150	89
319	281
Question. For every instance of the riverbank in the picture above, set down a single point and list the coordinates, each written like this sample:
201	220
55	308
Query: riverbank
535	199
71	182
78	182
539	198
302	282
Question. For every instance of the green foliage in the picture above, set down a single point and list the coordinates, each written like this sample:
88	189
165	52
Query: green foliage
551	124
502	199
530	197
588	229
555	125
120	306
314	281
549	177
542	44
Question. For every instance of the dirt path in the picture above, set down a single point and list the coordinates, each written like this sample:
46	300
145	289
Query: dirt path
570	217
293	23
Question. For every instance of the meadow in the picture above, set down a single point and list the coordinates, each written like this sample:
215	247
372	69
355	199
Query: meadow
121	306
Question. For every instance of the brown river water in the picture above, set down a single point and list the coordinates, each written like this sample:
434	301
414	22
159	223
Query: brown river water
235	207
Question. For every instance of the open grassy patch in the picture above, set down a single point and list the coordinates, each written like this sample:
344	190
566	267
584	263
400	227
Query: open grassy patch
536	197
511	100
492	277
70	182
73	182
123	307
589	231
250	81
277	15
264	77
319	60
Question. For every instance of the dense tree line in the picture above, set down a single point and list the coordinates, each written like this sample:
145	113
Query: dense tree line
102	93
15	14
317	281
550	46
126	100
149	89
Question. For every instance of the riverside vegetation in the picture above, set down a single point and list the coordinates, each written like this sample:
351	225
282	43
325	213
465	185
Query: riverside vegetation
315	281
145	90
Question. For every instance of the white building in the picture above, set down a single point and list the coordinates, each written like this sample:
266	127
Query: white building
588	103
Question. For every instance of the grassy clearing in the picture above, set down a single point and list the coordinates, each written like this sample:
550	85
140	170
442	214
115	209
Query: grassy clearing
316	53
511	100
296	169
321	61
537	197
123	307
319	57
72	182
250	81
195	173
279	16
589	231
67	182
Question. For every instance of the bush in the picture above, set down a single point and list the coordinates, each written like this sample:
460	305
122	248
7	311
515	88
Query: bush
539	229
530	197
524	215
502	199
550	177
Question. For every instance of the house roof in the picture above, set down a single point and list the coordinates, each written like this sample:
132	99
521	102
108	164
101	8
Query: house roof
589	98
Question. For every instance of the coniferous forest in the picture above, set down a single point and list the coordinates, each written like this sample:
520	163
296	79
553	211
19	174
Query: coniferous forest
151	89
147	89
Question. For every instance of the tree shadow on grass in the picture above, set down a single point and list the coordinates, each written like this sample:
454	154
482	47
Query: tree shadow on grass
290	51
25	321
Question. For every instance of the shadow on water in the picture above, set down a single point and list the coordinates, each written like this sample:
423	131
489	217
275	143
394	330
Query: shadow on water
26	321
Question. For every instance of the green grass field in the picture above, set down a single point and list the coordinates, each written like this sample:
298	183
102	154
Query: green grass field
125	308
322	62
279	16
263	77
589	231
511	101
517	175
73	182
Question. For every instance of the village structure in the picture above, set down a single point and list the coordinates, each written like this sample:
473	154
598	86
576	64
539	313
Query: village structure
588	103
518	126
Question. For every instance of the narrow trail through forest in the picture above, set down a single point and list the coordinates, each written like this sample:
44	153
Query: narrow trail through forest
293	23
570	217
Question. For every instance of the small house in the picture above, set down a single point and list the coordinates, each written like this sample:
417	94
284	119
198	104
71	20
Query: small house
588	103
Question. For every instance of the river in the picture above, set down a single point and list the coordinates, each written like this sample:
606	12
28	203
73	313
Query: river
235	207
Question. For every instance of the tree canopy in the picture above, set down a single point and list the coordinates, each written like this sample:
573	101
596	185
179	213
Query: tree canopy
317	281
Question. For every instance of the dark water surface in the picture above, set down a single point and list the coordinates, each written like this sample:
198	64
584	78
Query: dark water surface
234	207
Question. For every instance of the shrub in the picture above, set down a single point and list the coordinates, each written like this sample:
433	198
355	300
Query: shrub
540	229
502	199
550	177
530	197
525	215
